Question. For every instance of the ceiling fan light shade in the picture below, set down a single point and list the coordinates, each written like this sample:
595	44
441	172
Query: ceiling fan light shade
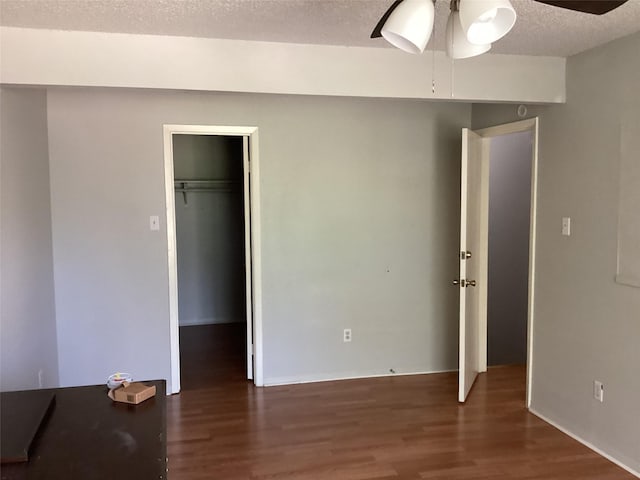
456	41
485	21
409	26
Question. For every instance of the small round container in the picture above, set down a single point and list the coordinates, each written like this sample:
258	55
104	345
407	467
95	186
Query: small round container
115	380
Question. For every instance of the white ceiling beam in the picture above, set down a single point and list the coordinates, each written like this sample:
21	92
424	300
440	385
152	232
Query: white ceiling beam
72	58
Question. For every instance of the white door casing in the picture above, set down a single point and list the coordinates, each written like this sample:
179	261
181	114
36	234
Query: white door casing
246	169
252	244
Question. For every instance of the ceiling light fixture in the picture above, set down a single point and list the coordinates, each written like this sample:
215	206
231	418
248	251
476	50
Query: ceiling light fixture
457	44
472	27
485	21
410	24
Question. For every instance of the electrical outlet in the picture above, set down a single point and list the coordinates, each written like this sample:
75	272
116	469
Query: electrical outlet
346	335
598	390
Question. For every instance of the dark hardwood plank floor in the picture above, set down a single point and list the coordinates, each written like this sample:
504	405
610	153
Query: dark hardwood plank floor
404	427
212	355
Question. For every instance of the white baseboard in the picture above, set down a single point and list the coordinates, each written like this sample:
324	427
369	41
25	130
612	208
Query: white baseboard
585	443
188	322
276	381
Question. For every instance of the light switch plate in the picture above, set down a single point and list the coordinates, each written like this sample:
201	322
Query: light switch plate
154	223
566	226
598	390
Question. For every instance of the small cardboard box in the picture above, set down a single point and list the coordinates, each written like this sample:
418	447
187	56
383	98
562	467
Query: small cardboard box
133	393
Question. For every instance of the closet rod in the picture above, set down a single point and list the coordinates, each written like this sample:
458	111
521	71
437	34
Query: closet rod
205	182
196	190
199	186
204	185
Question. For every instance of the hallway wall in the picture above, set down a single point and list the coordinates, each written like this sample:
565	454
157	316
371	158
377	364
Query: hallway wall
508	276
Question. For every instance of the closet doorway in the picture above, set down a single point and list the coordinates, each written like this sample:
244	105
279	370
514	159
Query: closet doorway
211	178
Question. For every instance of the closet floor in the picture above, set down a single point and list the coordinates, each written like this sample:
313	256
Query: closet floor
212	355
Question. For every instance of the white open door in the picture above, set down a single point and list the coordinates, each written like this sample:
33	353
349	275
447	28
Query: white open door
474	252
470	257
246	168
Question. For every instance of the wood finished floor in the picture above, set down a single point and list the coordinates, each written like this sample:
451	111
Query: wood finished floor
404	427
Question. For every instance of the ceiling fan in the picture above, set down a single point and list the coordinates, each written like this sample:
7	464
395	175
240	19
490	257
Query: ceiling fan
472	27
595	7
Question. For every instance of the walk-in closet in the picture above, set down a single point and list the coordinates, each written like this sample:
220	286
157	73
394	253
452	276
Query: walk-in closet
210	241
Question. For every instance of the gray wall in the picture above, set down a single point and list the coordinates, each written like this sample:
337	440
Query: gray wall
586	326
360	203
509	214
210	231
27	312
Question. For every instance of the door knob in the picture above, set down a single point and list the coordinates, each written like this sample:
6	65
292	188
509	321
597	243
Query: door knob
464	255
471	283
456	282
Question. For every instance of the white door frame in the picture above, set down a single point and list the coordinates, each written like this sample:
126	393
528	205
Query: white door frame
256	266
532	125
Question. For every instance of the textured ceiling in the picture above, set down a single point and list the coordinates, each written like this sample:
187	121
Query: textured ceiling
540	29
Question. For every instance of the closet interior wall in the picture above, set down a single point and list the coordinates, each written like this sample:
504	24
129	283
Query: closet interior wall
209	229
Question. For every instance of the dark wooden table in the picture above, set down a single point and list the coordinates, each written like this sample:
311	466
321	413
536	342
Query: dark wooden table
89	437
